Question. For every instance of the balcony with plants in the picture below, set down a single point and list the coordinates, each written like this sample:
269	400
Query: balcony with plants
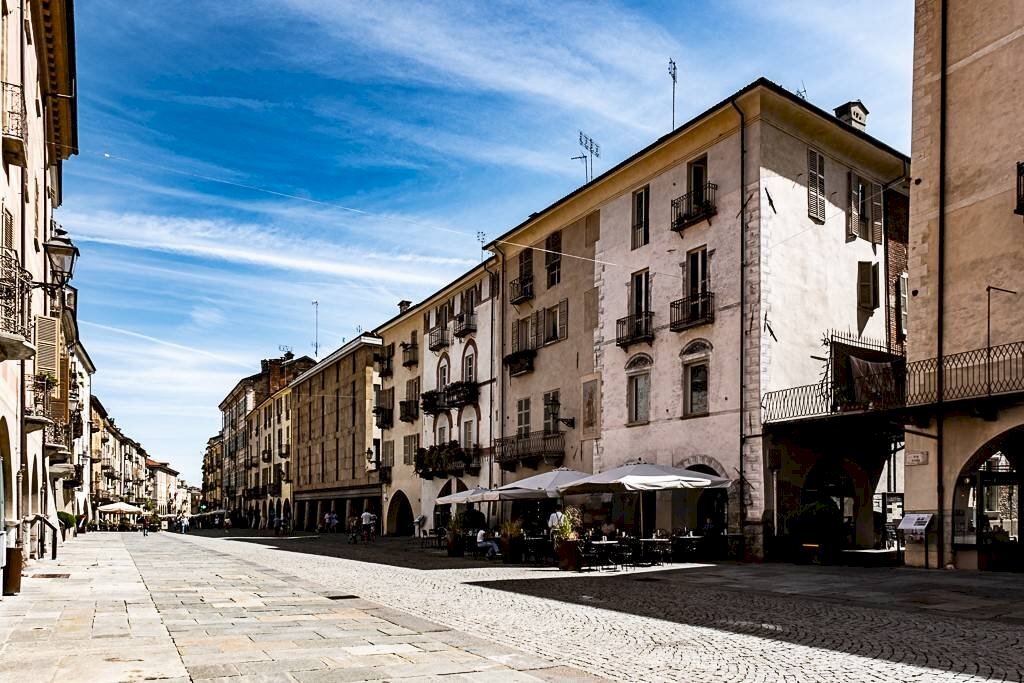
465	324
439	338
458	394
433	402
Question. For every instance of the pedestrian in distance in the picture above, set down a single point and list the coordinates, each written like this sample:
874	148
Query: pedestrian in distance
145	527
227	525
367	521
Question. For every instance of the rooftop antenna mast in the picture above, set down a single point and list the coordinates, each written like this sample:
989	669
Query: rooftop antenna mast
316	328
802	92
592	149
586	173
672	71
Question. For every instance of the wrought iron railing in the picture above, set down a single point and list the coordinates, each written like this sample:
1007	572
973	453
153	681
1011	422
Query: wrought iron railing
38	396
385	366
532	446
459	394
640	234
465	323
634	328
410	355
283	451
694	206
15	295
520	289
385	417
692	311
439	338
433	402
14	116
975	374
408	410
268	455
57	436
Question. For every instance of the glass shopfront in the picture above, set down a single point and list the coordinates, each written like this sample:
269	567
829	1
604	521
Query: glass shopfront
986	515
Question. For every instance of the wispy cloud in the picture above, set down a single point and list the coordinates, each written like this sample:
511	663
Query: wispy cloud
164	342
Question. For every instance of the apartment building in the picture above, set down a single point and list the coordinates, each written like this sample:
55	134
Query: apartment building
549	389
270	427
212	493
335	438
74	488
163	486
446	421
39	132
106	486
241	461
964	449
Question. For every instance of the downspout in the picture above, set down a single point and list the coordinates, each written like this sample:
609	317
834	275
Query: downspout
743	251
23	440
502	392
490	403
940	317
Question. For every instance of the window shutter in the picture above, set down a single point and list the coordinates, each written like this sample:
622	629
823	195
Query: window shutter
643	390
515	336
876	213
563	318
852	217
865	291
904	299
8	230
875	294
47	358
538	328
426	323
815	185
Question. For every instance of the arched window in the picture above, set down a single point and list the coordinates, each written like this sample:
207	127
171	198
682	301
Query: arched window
638	389
696	359
443	376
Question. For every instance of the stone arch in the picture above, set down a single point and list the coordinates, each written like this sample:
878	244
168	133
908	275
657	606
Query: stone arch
696	347
638	362
399	518
470	348
693	461
7	473
443	361
443	418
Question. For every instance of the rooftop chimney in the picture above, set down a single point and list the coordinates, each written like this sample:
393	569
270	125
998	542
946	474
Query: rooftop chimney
404	305
853	113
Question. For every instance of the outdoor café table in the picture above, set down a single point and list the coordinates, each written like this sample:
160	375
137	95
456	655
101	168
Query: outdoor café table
536	546
603	549
649	546
688	544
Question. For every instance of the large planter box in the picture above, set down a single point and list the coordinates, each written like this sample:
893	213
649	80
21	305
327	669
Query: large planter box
569	556
456	547
512	548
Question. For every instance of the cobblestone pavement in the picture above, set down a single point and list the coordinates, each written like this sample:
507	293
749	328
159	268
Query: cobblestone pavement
121	607
692	623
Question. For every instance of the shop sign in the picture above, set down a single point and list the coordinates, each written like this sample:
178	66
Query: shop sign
915	458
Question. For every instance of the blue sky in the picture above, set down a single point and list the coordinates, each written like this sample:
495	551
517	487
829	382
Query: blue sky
239	160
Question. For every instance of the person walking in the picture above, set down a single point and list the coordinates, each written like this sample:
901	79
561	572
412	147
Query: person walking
145	527
367	521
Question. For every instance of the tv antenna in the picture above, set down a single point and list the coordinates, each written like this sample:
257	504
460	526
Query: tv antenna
586	173
802	91
592	149
284	348
316	328
672	71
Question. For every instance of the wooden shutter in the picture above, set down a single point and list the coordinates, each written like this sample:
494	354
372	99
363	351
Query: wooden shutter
59	405
876	213
875	293
865	291
815	185
515	336
537	325
852	216
47	345
904	302
8	230
563	318
426	323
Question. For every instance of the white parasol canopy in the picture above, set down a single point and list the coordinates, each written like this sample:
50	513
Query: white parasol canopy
120	509
537	487
644	477
467	496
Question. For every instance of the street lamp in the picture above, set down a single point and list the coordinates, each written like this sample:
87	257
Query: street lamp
61	254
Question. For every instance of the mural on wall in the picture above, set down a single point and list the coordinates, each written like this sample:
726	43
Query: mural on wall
591	409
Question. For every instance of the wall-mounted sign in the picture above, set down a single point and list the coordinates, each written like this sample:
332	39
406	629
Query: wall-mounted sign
915	522
915	458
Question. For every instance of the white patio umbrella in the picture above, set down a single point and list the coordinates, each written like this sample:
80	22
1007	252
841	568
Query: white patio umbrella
537	487
120	508
640	477
462	496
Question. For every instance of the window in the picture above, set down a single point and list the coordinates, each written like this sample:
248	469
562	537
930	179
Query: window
442	375
864	214
867	285
442	433
697	278
467	434
638	397
521	339
640	293
641	223
553	258
904	303
695	384
552	411
551	325
523	417
697	180
526	263
410	444
469	368
815	185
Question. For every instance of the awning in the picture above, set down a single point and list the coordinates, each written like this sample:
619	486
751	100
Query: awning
120	509
644	477
537	487
468	496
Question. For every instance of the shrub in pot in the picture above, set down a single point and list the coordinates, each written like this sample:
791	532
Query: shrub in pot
512	541
456	544
567	547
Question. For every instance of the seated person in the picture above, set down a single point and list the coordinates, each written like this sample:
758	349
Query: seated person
608	528
486	543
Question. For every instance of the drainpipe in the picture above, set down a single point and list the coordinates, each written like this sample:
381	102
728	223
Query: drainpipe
940	317
743	251
23	440
490	403
502	392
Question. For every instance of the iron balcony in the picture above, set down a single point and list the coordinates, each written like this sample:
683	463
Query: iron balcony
409	410
692	311
433	402
634	329
410	355
385	366
520	289
458	394
15	300
268	455
530	448
439	338
1020	189
14	125
385	417
694	206
465	323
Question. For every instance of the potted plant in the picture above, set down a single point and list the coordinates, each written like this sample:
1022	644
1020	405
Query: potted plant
456	545
512	541
567	547
421	462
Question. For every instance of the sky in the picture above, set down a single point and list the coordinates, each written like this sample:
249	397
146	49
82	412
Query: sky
240	160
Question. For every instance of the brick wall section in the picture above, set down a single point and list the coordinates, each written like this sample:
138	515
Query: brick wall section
897	228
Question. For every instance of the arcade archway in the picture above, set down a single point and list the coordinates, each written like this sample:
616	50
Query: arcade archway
400	517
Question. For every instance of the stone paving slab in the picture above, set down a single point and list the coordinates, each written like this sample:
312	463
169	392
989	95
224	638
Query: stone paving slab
152	608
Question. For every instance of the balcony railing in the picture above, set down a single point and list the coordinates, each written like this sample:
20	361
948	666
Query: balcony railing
1020	189
458	394
408	411
439	338
385	417
38	397
529	448
520	289
520	362
283	451
433	402
410	355
465	323
978	374
694	206
634	328
474	454
268	455
57	440
15	299
386	366
692	311
14	124
274	488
